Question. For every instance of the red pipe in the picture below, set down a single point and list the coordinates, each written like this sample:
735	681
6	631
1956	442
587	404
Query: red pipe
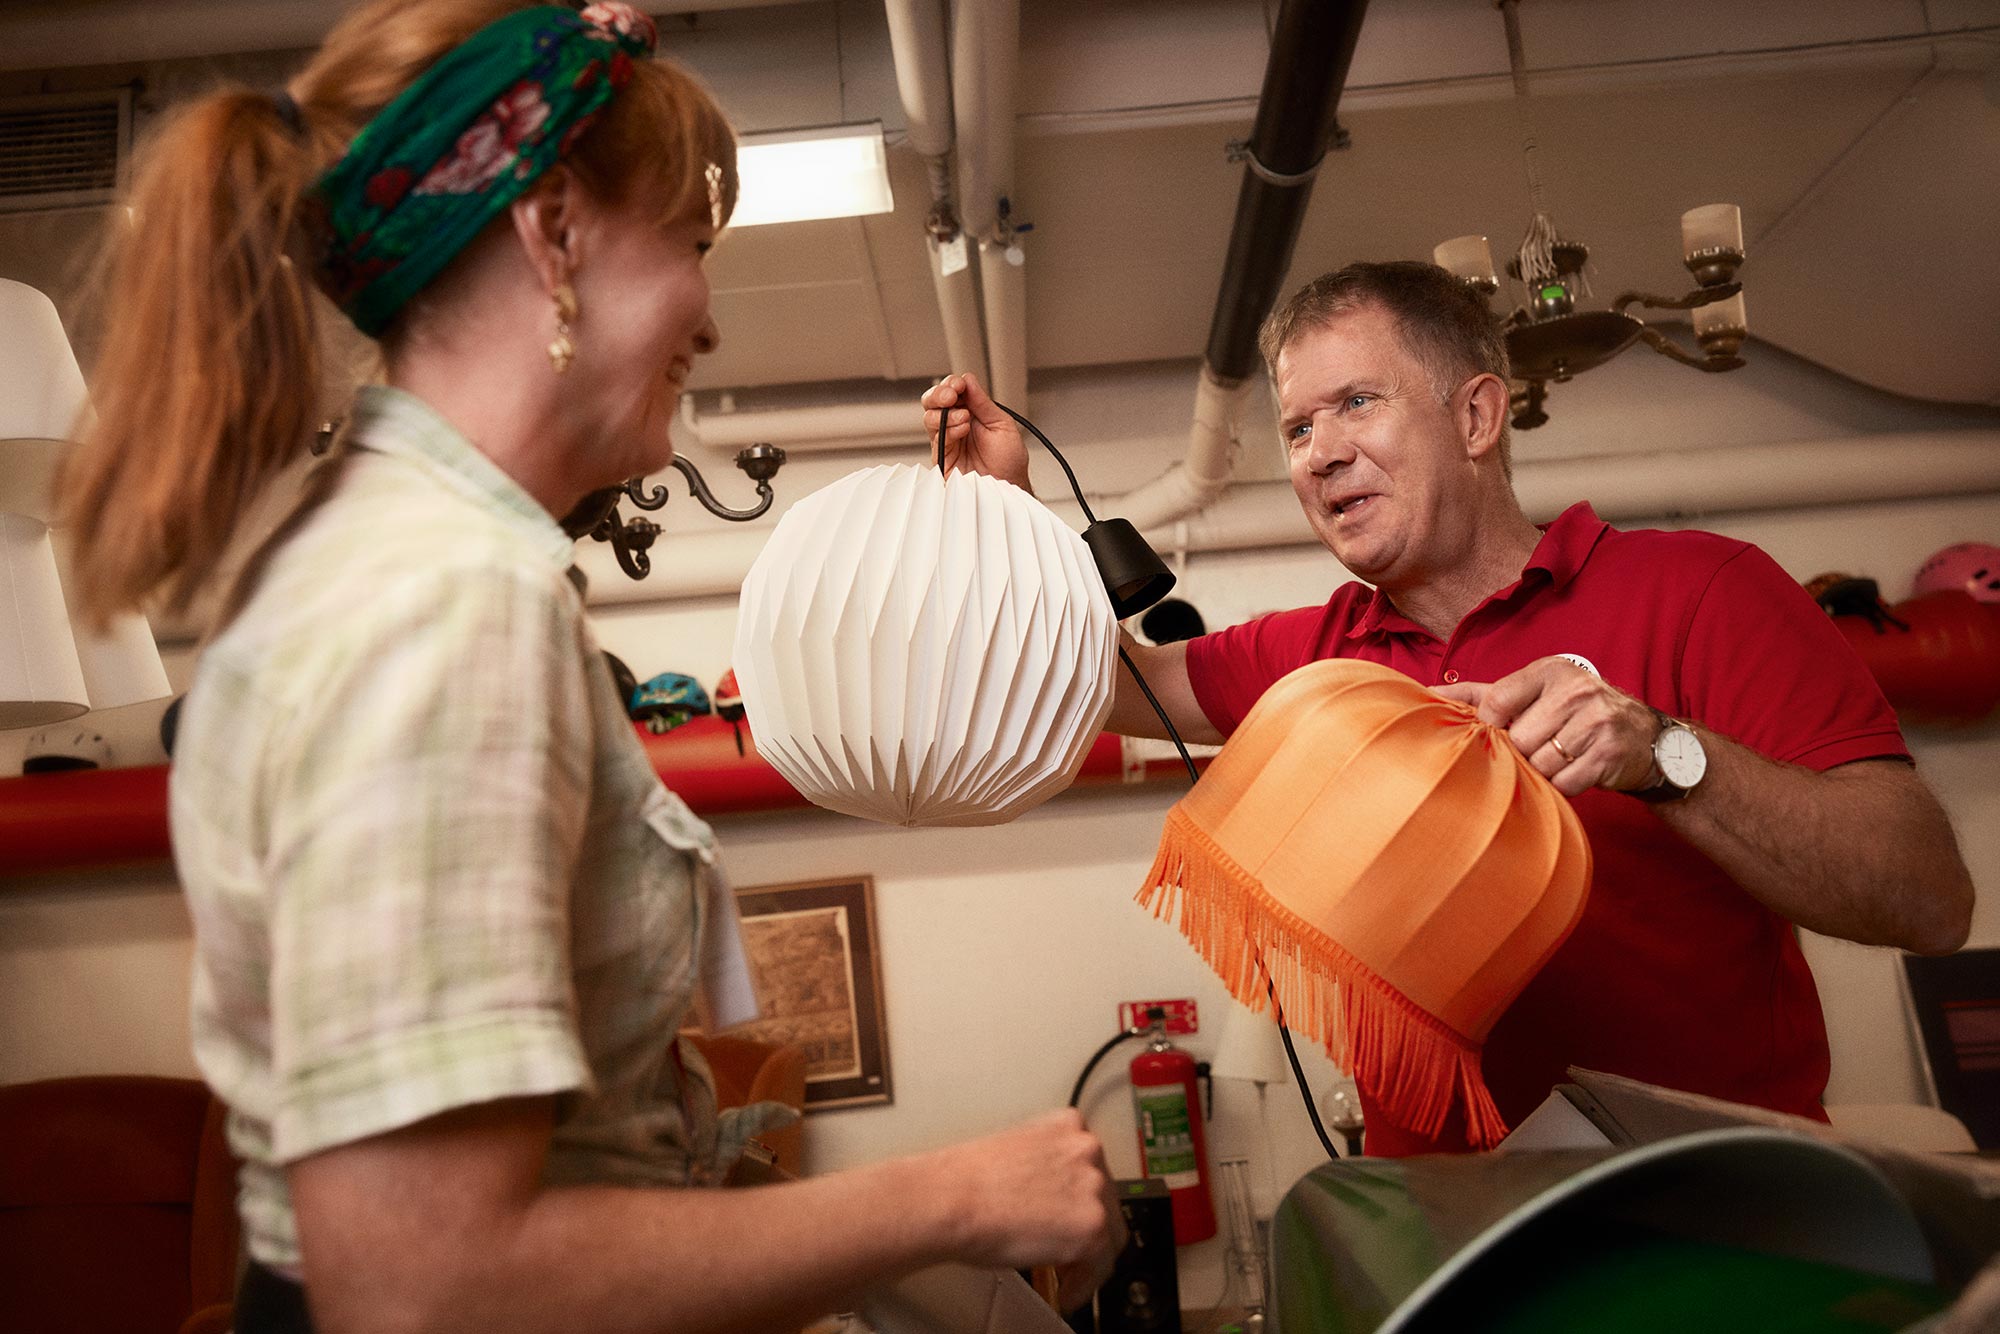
83	817
109	817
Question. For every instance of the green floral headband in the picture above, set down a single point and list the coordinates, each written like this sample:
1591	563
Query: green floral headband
462	143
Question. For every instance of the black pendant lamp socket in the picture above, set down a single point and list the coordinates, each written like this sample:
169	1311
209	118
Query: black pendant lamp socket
1133	572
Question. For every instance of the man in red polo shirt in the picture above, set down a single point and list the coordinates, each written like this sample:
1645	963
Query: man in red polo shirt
1736	768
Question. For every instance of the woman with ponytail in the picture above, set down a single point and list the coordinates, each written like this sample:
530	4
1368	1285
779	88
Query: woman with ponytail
448	923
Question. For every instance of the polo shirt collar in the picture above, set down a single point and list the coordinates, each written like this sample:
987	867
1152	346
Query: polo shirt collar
397	423
1564	546
1566	543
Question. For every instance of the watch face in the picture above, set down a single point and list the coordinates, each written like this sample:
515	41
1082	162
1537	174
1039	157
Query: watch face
1680	756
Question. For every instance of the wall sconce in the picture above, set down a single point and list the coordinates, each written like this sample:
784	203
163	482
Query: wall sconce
597	516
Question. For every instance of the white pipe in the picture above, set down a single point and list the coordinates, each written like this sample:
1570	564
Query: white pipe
1004	284
1621	487
917	45
836	426
1795	475
56	34
1203	475
985	51
1673	484
958	305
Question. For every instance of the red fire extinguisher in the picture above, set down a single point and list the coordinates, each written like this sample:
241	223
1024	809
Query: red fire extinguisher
1172	1142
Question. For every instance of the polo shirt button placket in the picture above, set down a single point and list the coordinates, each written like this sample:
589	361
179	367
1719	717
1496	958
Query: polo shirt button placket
1451	676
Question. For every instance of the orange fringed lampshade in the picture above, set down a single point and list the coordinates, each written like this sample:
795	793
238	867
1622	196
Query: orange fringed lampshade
1393	864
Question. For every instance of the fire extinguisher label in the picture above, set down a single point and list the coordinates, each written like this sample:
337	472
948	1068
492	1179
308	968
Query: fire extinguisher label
1168	1136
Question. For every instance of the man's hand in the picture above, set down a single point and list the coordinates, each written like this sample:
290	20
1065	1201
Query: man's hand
978	436
1578	731
1862	851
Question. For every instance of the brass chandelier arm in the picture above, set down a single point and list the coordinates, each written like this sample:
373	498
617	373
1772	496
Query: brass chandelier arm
635	491
597	514
1700	296
699	489
629	539
1666	346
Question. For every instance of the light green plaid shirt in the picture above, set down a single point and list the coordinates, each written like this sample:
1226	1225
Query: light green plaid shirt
428	863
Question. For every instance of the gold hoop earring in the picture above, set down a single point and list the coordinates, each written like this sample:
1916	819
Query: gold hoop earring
562	351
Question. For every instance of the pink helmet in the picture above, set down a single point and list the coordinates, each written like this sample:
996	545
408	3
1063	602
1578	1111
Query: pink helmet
1970	567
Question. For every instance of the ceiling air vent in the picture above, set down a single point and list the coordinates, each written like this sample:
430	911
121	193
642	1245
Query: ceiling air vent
62	150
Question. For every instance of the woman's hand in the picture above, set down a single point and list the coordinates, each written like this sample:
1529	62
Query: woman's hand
978	436
1039	1193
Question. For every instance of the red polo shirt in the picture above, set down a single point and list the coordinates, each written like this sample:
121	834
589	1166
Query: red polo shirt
1674	975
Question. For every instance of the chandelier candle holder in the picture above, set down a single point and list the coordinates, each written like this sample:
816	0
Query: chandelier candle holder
923	648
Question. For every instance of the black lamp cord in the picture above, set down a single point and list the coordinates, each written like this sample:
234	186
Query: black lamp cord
1076	1090
1270	988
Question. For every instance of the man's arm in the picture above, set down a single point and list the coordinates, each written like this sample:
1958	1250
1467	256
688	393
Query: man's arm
979	437
1165	668
1862	851
445	1226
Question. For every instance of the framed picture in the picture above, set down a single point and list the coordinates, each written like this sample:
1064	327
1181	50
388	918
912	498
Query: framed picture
813	955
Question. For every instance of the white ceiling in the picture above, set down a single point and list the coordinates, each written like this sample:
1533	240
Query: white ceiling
1861	137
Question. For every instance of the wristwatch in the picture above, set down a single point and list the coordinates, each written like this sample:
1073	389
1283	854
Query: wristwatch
1678	761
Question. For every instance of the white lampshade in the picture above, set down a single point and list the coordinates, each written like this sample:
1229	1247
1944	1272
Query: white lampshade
1249	1047
121	663
1712	227
51	669
1470	257
41	388
41	680
924	649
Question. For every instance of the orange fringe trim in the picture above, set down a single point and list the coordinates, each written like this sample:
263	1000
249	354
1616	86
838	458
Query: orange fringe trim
1413	1067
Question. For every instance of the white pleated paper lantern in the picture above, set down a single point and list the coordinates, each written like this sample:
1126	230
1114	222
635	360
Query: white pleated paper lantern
925	649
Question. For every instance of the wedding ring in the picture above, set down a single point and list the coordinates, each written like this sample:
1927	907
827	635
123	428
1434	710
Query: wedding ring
1556	741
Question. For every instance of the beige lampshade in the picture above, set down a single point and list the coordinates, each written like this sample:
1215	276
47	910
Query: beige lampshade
49	669
41	680
42	395
121	663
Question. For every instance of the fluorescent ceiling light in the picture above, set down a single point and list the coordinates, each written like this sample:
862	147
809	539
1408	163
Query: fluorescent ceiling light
840	171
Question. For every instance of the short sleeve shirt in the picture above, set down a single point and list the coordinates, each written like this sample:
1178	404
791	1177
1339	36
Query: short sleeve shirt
1674	975
428	863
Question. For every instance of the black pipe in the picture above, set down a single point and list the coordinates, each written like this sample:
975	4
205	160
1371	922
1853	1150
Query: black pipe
1311	49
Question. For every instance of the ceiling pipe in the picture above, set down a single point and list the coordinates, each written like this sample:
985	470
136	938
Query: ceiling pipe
986	50
1003	282
59	34
882	424
1311	50
1312	46
919	48
1734	479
